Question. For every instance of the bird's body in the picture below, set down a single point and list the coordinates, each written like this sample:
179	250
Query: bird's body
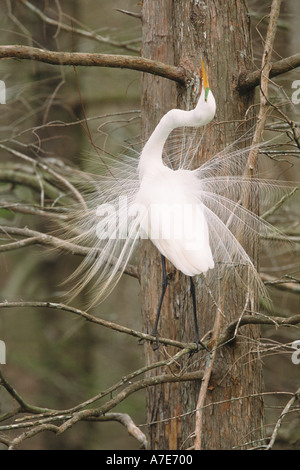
174	214
175	220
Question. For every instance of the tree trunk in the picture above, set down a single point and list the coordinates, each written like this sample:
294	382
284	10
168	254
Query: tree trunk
179	33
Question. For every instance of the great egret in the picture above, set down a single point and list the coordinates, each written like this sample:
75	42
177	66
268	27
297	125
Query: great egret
175	219
202	207
173	195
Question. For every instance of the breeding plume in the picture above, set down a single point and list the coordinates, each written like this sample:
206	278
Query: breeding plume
195	218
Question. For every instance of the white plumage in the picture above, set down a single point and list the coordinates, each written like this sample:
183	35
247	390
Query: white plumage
175	220
193	217
175	217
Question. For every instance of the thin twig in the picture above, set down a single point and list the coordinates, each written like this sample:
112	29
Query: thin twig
28	421
130	13
49	240
281	417
28	179
81	32
264	84
33	210
205	382
131	427
282	284
228	331
14	394
49	170
130	389
99	321
92	414
278	204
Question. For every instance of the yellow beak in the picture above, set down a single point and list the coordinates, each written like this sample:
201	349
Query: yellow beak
205	83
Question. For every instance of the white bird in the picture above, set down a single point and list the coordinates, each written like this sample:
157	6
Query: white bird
171	197
194	217
174	218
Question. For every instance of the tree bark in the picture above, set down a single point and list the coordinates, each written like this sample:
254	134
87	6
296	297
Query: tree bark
179	33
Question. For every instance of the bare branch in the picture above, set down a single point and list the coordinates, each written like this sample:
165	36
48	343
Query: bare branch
28	421
131	427
33	210
276	206
99	321
49	240
49	170
282	284
19	244
14	394
98	413
205	383
292	125
130	389
141	64
31	180
130	13
247	82
228	332
264	83
281	417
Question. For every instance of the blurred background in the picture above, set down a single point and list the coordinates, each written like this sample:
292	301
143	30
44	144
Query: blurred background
55	360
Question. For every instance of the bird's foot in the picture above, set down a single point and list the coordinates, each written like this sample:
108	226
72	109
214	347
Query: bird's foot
155	344
198	343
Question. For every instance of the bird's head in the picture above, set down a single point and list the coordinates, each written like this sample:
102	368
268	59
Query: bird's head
205	83
205	109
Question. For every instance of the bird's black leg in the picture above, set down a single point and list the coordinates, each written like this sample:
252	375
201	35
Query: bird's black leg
193	293
164	287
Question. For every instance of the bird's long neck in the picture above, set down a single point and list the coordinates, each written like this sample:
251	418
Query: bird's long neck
203	113
151	155
155	144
